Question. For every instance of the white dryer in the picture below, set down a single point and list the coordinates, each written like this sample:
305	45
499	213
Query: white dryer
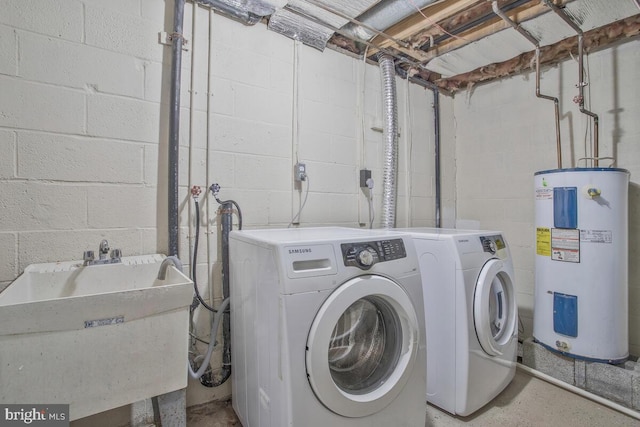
471	316
327	328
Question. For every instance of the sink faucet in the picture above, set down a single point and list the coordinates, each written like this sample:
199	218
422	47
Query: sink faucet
103	250
170	260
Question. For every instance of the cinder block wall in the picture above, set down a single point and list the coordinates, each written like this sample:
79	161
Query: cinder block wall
504	134
83	134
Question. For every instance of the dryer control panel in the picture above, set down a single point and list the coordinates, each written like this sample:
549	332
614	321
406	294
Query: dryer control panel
365	254
492	244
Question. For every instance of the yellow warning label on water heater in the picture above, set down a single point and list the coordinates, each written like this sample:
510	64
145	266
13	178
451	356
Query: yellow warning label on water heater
543	241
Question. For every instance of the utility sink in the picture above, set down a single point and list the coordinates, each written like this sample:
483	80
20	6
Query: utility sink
95	337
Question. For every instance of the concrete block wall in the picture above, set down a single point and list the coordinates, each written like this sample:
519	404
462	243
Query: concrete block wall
504	134
77	130
83	137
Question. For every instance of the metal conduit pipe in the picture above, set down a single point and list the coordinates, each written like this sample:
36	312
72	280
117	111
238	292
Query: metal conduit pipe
174	125
390	137
581	83
536	43
174	105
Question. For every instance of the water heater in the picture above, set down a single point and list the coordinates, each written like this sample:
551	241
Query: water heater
581	263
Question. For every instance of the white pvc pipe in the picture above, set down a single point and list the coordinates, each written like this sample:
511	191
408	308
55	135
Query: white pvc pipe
580	392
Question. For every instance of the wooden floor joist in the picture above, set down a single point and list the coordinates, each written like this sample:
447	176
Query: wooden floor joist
552	54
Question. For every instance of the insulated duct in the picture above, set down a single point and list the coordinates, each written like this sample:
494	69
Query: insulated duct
390	137
313	22
383	15
248	12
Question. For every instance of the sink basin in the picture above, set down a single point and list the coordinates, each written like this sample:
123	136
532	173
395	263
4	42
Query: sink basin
94	337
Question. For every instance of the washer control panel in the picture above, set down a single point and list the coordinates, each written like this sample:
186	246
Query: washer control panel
492	244
365	254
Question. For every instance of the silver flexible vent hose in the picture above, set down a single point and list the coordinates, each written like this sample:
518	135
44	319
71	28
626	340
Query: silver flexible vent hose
390	136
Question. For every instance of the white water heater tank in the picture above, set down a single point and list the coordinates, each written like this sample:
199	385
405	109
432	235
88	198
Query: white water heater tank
581	263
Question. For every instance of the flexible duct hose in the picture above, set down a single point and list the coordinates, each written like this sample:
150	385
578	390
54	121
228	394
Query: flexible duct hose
390	136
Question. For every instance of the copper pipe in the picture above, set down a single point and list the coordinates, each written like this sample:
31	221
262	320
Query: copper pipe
556	104
536	43
581	83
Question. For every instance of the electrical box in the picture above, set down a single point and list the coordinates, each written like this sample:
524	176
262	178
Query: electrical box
365	174
300	172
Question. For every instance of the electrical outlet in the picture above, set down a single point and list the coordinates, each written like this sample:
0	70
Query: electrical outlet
365	174
300	172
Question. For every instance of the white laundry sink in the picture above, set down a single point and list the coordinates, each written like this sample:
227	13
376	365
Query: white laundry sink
94	337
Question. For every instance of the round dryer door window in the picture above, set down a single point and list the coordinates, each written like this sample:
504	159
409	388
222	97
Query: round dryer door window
494	308
362	346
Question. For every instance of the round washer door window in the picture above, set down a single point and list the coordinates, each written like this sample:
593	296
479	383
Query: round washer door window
362	346
494	308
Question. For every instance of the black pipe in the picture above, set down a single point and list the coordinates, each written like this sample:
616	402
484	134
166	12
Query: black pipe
226	210
436	143
174	125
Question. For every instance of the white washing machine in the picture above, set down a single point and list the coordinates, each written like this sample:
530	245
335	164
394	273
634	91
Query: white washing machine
471	316
327	328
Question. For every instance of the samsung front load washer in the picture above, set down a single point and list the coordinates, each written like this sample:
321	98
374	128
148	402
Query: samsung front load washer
327	328
471	316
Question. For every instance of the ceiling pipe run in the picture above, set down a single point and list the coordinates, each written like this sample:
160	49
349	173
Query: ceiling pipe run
581	83
536	43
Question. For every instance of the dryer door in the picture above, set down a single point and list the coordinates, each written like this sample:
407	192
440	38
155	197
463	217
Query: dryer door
494	308
362	346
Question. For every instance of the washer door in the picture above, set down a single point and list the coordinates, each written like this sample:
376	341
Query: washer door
494	308
362	346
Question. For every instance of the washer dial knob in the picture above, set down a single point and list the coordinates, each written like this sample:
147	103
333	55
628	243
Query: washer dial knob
490	246
365	258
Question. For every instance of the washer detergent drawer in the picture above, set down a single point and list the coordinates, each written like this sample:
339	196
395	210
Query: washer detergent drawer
310	261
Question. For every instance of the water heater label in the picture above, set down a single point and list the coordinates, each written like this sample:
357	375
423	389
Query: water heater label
596	236
565	245
543	241
544	193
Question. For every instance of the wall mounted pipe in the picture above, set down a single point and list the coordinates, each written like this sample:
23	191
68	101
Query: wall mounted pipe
536	43
390	137
174	125
556	106
581	83
436	127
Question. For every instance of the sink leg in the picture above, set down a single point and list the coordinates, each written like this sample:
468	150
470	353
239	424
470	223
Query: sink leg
171	408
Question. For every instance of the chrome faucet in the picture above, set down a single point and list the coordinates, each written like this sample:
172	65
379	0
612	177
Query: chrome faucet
103	250
170	260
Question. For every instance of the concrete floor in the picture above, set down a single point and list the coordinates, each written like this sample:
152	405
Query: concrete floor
527	401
